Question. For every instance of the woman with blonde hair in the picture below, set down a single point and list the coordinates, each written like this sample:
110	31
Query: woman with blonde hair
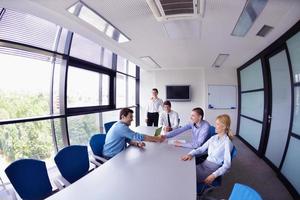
219	148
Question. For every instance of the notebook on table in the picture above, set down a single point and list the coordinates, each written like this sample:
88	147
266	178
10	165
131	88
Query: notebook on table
157	131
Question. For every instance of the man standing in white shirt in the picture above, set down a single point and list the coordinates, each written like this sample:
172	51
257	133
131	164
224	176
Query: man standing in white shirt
153	109
169	118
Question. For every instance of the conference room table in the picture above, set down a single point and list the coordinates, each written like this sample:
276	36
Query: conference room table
153	173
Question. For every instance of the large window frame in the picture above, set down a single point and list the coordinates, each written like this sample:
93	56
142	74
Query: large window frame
66	112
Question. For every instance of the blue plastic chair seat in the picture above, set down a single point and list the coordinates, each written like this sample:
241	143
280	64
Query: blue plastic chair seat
73	162
30	179
218	181
108	125
243	192
97	142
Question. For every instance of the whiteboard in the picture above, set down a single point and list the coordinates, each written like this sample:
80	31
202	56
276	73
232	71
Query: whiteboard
222	97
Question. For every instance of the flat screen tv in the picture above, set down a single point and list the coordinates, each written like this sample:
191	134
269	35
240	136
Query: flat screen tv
178	92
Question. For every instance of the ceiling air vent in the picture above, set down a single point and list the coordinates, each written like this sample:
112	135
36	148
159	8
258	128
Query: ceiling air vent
264	31
176	9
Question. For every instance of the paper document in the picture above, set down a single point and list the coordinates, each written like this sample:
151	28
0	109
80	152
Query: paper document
173	141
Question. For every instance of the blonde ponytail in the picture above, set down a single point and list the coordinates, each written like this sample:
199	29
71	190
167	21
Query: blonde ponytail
225	120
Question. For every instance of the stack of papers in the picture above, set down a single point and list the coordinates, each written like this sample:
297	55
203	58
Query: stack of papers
172	142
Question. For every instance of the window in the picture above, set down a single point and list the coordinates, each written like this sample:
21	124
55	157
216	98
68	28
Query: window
131	69
104	89
126	91
57	85
109	116
85	49
115	116
131	91
31	30
122	64
125	66
26	140
107	58
121	91
58	133
23	93
32	86
87	88
82	127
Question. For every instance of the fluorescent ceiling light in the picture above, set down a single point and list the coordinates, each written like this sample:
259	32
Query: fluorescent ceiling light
150	62
220	60
91	17
251	11
183	29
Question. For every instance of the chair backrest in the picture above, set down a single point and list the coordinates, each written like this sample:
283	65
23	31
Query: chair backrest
97	142
108	125
73	162
233	152
218	180
29	178
211	132
243	192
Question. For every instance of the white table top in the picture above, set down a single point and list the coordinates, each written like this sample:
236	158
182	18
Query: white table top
154	173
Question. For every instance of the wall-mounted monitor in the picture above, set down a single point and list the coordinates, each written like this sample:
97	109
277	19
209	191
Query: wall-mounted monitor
178	93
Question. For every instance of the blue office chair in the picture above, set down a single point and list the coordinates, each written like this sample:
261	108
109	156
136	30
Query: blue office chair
243	192
73	162
108	125
217	182
97	142
203	156
211	132
30	179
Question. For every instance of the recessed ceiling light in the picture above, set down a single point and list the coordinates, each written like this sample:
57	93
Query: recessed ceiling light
251	11
220	60
150	61
88	15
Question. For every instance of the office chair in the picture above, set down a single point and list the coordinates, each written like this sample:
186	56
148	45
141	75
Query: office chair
72	163
243	192
203	156
30	179
97	142
203	189
108	125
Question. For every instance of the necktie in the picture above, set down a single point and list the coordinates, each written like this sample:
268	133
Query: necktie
169	122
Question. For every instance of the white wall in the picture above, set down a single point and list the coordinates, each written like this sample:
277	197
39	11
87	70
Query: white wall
220	77
198	79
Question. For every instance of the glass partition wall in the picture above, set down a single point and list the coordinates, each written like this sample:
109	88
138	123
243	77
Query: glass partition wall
269	109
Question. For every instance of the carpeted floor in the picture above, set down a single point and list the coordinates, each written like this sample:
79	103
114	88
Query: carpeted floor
250	170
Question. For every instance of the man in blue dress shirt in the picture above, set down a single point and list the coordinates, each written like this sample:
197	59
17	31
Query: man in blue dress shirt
200	130
120	134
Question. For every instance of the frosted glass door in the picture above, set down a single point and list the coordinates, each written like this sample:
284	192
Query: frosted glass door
281	107
252	103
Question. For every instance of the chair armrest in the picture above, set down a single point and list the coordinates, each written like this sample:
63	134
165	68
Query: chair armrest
97	164
61	182
100	158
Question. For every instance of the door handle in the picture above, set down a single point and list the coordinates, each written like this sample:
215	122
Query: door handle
269	118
